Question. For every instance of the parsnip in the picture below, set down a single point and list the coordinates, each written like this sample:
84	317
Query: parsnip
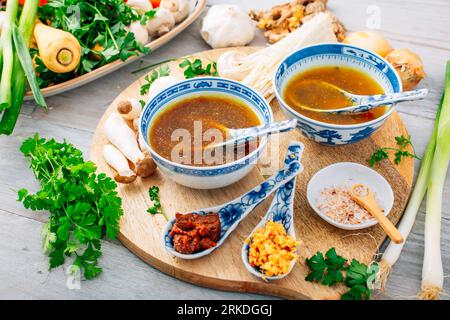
59	50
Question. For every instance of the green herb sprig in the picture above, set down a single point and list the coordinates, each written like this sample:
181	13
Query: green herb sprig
400	152
333	269
84	207
153	193
195	68
163	71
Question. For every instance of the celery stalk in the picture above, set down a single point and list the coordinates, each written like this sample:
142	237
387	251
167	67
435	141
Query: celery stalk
18	82
8	54
432	271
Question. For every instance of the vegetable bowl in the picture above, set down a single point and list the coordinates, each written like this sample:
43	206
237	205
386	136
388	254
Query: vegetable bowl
196	7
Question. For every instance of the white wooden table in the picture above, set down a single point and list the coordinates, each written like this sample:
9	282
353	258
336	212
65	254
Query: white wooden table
420	25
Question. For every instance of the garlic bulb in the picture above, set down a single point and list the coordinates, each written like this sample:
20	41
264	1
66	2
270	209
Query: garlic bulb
140	32
160	84
227	65
162	23
179	8
141	6
227	25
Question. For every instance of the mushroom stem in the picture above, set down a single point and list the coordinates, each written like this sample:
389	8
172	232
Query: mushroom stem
116	160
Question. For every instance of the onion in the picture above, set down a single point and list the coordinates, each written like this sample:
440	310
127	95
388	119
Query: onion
370	40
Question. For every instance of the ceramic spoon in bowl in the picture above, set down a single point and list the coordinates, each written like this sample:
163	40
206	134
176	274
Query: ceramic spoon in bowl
282	211
233	212
240	136
362	103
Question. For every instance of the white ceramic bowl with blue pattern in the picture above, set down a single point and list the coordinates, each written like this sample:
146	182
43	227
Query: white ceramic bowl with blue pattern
210	177
335	54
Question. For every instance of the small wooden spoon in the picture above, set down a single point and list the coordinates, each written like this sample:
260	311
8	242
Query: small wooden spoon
363	196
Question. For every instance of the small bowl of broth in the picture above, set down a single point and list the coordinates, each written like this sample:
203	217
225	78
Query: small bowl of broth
181	121
300	79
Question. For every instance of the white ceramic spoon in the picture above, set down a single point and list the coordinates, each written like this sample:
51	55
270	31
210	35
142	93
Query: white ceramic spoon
233	212
282	211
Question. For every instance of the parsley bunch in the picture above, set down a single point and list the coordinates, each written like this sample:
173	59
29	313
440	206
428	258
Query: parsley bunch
195	68
399	154
84	207
96	24
330	270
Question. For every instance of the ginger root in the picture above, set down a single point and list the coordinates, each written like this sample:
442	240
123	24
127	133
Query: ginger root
283	19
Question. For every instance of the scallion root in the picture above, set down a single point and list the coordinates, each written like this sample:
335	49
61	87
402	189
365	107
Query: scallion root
430	293
383	274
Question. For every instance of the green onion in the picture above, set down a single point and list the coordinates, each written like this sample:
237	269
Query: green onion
393	251
18	81
432	271
8	55
432	178
24	56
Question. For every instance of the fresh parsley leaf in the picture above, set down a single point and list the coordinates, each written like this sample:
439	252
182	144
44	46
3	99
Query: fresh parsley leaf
195	68
358	278
400	153
147	16
328	270
84	207
164	71
153	193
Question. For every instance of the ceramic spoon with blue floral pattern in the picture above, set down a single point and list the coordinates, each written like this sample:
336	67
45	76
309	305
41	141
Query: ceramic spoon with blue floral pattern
233	212
282	211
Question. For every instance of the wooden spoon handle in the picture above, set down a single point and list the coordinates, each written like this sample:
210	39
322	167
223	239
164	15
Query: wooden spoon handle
384	222
368	202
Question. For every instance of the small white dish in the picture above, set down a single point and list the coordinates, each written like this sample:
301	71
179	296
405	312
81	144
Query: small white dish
349	173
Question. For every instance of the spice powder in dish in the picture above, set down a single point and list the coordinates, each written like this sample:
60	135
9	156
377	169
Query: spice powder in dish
337	204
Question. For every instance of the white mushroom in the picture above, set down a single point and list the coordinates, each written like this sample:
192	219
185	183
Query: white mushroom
227	25
129	109
141	6
2	19
179	8
162	23
228	63
139	31
141	142
161	84
123	138
116	160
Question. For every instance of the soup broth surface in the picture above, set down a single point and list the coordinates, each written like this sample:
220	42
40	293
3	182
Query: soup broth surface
212	112
303	90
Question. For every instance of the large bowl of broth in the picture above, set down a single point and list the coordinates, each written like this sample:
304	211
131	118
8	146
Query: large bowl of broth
300	80
181	121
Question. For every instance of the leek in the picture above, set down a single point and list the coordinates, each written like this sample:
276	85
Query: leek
432	271
18	82
7	54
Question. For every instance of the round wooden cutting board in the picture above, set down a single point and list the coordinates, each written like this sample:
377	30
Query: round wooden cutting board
223	269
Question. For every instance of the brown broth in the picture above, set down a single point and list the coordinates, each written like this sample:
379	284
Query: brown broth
214	112
300	90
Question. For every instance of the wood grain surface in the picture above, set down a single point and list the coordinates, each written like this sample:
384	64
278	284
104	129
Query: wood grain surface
223	269
419	25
